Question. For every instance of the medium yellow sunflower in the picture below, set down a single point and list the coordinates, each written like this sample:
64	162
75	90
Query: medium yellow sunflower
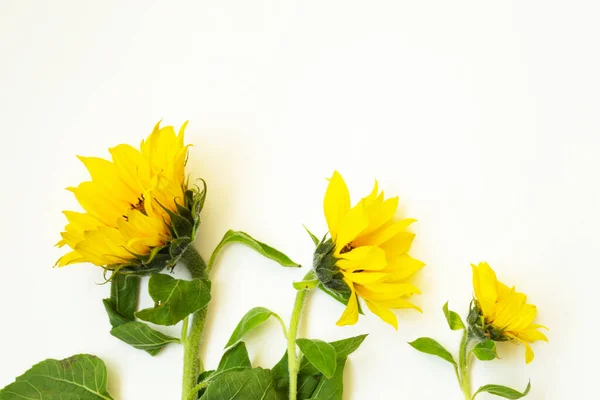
367	254
500	313
138	209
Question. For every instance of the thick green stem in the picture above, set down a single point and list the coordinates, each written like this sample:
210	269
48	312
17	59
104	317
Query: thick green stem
464	364
293	361
192	364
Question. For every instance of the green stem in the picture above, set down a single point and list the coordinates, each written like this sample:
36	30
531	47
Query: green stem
464	364
293	360
192	364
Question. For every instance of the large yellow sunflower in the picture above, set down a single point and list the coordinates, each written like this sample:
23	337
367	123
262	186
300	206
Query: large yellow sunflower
130	204
367	255
502	313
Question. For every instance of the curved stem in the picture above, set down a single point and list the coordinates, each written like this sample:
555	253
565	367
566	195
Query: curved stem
463	361
192	364
293	359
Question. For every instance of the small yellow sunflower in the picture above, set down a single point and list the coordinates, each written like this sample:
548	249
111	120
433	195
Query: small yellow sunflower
139	214
366	255
501	313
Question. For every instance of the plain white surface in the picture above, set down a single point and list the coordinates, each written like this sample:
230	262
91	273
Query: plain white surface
481	116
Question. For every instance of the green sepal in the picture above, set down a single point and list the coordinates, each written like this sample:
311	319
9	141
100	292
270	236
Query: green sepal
81	376
503	391
429	346
312	236
174	299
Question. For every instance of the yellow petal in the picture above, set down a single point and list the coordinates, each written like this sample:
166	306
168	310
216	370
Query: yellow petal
351	225
528	353
485	287
336	203
384	313
350	315
402	267
366	258
365	277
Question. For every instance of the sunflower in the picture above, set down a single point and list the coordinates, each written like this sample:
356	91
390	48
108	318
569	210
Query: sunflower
501	313
139	214
366	255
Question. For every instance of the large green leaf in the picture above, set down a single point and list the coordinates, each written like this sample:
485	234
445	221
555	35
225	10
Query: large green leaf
308	376
503	391
333	388
252	319
485	351
248	384
81	377
235	358
175	299
430	346
124	294
454	321
142	337
262	248
320	354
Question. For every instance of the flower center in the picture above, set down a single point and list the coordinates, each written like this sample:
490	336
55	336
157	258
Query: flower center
347	248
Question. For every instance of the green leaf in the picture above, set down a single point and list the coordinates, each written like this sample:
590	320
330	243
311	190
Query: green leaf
251	320
308	284
248	384
235	358
454	321
485	351
175	299
124	294
503	391
245	239
114	317
320	354
343	348
312	236
333	388
142	337
81	377
430	346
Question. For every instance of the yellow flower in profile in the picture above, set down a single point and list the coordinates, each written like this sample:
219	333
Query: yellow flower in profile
366	256
137	207
502	313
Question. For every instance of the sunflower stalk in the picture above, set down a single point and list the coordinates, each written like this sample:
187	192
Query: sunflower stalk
192	339
293	359
464	359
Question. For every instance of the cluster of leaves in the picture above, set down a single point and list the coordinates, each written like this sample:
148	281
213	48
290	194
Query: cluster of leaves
484	349
320	374
174	300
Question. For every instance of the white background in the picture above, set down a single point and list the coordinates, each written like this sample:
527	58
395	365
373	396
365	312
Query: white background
482	116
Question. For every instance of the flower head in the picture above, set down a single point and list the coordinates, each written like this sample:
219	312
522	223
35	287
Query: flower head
501	313
139	214
366	256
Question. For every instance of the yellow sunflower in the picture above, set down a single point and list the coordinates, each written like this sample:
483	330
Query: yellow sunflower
502	313
366	256
135	205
